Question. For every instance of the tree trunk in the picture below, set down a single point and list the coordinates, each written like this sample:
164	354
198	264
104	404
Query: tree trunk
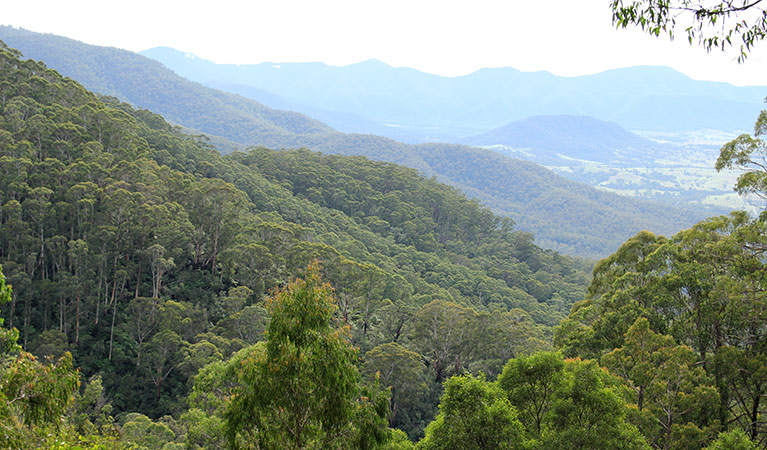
77	320
112	329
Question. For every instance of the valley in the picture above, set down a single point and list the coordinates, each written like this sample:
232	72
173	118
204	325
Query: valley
682	173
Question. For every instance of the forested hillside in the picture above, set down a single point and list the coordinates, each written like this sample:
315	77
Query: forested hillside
172	297
147	254
568	217
112	72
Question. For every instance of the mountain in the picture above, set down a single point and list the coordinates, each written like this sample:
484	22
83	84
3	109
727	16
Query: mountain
148	255
443	108
110	71
563	215
571	137
341	121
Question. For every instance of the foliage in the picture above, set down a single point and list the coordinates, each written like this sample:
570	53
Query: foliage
588	413
732	440
303	390
146	254
530	382
8	338
704	289
747	154
33	397
540	401
568	403
667	384
398	441
142	433
713	24
401	371
474	414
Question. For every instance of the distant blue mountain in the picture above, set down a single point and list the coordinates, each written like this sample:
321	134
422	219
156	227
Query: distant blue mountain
577	137
431	107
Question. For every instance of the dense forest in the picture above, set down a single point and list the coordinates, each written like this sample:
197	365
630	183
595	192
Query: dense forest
146	254
569	217
158	295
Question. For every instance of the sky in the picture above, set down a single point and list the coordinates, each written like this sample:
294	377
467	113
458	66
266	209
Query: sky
445	37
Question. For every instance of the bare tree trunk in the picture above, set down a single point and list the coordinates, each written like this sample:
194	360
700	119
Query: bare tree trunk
138	278
77	320
112	329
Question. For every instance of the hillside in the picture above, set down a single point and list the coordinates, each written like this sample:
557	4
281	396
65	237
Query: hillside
486	176
445	109
550	214
575	137
147	254
110	71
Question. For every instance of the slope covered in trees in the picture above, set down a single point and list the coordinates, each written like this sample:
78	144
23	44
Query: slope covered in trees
146	254
563	215
112	72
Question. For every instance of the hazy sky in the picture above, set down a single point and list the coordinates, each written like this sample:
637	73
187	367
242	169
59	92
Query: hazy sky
565	37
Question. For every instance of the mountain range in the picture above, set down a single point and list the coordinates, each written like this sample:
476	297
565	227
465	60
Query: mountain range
563	215
417	107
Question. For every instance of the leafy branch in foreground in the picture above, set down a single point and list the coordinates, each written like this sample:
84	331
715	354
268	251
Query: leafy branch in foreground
714	24
748	154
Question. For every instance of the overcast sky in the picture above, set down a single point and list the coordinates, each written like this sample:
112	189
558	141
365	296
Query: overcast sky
445	37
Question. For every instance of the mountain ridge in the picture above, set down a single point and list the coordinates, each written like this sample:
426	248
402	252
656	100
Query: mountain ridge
553	216
495	96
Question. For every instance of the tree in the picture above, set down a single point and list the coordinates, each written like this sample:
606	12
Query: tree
399	369
588	413
530	383
714	24
667	383
746	379
7	337
142	433
303	390
166	351
441	333
748	154
732	440
474	414
214	385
